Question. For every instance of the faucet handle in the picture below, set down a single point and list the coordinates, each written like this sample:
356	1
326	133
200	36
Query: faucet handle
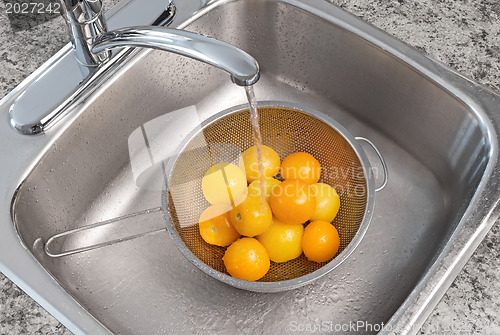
86	23
81	11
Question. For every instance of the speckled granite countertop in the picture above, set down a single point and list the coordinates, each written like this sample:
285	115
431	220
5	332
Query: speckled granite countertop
463	34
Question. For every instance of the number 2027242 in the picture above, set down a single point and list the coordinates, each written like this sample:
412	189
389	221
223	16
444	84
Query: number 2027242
32	8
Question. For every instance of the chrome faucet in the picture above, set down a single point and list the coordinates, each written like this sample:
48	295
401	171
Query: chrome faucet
75	78
92	42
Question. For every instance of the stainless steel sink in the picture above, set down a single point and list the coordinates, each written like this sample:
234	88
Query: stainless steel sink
437	130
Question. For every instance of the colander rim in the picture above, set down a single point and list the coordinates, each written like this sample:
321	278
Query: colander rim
269	287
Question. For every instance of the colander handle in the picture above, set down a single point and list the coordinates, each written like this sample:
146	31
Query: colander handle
53	239
382	160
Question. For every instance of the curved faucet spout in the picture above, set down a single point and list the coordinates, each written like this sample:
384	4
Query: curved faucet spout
242	67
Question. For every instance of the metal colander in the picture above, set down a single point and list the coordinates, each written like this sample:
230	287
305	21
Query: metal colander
286	129
222	139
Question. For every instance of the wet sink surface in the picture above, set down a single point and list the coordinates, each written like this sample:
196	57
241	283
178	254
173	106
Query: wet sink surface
436	148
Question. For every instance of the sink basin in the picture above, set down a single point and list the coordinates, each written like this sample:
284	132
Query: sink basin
437	131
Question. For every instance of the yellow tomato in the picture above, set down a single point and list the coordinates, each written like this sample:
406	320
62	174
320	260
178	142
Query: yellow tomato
327	202
320	242
302	166
292	202
224	183
282	241
252	217
215	226
269	184
246	259
270	162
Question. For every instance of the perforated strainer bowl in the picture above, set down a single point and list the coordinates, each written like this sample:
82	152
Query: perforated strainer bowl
287	129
